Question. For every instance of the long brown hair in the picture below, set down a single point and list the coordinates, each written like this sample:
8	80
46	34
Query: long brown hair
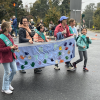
4	26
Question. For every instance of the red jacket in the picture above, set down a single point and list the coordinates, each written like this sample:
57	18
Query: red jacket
6	55
60	28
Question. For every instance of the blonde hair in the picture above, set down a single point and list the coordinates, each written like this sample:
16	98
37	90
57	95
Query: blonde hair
3	21
4	26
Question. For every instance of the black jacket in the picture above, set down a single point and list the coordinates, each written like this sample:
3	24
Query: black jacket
22	35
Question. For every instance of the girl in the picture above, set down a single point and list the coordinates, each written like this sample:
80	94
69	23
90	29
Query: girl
83	44
7	57
40	36
72	28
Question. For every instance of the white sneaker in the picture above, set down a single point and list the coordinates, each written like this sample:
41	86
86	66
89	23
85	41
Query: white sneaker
11	88
57	68
70	69
7	91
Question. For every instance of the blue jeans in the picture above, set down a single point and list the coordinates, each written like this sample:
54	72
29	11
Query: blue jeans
15	30
60	36
8	74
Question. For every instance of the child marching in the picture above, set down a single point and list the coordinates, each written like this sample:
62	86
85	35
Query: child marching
7	57
83	44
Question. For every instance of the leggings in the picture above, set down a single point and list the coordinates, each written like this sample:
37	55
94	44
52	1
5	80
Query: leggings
81	54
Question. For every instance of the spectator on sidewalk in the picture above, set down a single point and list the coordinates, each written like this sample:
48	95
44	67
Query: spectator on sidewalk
51	25
32	23
15	25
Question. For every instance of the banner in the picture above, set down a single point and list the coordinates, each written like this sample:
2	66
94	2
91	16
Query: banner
44	54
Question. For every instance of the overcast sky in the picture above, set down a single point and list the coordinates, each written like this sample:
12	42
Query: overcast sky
85	2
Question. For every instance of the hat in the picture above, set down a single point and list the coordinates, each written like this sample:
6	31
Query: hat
63	17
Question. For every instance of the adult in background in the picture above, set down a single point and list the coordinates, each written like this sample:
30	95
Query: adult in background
41	22
78	28
32	23
25	35
51	25
15	25
61	32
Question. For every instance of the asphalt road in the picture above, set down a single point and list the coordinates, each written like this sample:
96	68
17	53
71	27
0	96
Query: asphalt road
59	85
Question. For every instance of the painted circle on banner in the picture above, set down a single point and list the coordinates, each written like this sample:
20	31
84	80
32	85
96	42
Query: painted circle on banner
68	52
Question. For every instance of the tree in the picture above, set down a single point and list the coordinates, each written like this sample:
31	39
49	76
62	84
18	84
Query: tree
65	7
39	9
7	9
98	5
96	18
52	15
89	11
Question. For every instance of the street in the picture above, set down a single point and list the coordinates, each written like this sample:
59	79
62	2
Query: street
59	85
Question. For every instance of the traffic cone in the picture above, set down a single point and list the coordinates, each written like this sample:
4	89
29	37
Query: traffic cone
96	35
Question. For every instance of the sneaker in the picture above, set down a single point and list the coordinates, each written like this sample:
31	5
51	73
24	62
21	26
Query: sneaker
85	69
22	71
7	91
74	65
70	69
57	68
36	71
11	88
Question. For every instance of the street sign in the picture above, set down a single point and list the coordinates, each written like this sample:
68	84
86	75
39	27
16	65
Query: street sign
75	7
75	4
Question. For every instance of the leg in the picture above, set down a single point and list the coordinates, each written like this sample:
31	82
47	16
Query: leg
56	67
15	31
37	71
69	66
81	57
14	70
12	32
85	58
85	61
5	85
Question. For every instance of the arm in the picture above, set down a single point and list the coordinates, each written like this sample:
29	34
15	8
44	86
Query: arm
36	37
89	40
22	36
68	32
46	39
79	42
56	31
3	48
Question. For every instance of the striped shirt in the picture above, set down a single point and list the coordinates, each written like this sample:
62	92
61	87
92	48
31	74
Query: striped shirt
37	38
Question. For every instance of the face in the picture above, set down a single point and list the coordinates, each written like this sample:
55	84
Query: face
64	21
73	23
51	22
84	31
9	29
25	22
42	29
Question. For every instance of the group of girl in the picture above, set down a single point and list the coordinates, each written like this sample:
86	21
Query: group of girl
7	46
